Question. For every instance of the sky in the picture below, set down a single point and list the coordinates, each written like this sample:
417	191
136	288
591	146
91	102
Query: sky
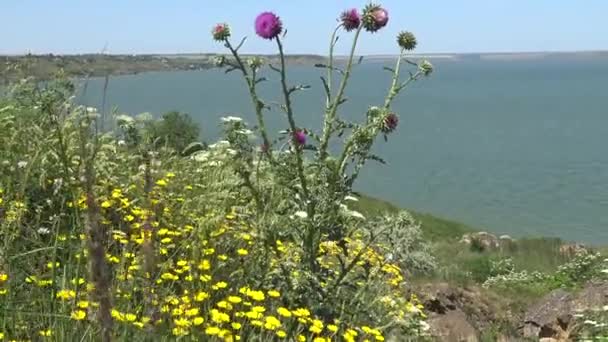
183	26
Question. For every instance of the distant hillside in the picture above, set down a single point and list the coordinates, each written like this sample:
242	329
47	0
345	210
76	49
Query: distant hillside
92	65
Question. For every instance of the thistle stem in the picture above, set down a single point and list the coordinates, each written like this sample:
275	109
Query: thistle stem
257	103
331	110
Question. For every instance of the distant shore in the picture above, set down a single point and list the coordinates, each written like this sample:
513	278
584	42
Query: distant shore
14	67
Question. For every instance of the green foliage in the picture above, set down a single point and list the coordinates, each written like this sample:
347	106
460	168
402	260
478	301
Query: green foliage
174	130
114	235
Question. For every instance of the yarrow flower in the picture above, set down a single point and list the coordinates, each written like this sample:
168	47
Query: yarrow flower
374	17
300	137
390	123
350	19
221	32
406	40
268	25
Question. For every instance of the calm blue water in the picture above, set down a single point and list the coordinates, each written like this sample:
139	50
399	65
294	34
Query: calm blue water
518	147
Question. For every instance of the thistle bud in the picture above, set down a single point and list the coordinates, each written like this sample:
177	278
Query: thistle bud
389	123
425	67
374	17
221	32
299	137
219	61
255	62
407	40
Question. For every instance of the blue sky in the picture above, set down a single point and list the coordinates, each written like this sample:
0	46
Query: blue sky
151	26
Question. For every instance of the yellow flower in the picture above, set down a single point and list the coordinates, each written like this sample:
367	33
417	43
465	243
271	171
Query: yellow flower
234	299
242	252
1	335
65	294
271	323
198	321
281	334
3	277
317	327
78	315
181	322
274	294
319	339
46	333
205	265
284	312
130	317
106	204
333	328
235	325
219	317
301	338
301	312
220	285
161	182
212	331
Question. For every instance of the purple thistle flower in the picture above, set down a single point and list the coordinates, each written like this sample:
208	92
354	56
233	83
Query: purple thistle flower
299	137
268	25
374	17
390	123
350	19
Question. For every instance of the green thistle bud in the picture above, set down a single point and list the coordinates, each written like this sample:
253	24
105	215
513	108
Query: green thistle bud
407	40
255	62
219	61
425	67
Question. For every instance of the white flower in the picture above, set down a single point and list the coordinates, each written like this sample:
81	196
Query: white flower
605	308
91	110
245	132
351	198
43	231
590	322
356	214
121	143
221	143
231	119
424	326
231	152
22	164
301	214
604	271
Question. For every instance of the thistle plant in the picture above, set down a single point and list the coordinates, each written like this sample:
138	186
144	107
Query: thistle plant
322	180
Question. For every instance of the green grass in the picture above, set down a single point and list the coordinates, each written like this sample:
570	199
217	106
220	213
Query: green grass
433	227
458	262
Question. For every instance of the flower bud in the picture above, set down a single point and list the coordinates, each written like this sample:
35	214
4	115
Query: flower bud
255	62
221	32
219	61
299	137
425	67
389	123
374	17
407	40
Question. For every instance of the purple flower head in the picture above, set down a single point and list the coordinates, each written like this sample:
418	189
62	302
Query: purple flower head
374	17
390	123
350	19
268	25
220	32
299	137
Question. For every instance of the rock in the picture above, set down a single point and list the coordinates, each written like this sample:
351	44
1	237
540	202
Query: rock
452	326
572	249
483	240
459	314
552	317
